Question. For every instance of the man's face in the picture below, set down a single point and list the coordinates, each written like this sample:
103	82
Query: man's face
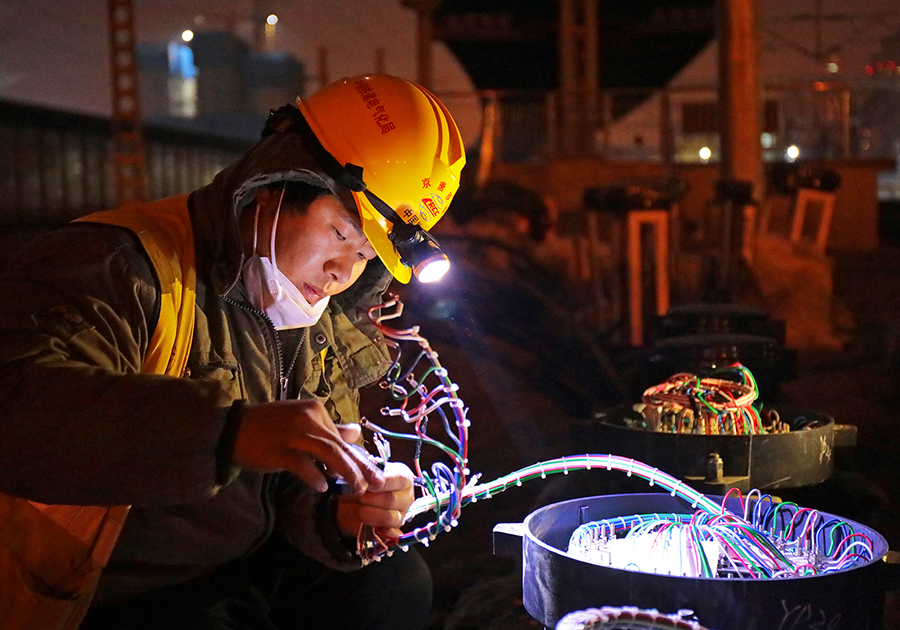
323	251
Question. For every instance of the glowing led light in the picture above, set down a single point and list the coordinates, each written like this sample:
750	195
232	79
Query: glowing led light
187	35
793	152
434	270
832	67
272	19
705	154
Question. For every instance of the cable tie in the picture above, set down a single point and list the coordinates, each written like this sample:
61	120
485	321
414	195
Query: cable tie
630	466
675	489
609	461
565	466
652	475
588	460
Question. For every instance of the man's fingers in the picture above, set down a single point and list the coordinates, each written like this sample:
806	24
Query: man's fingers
340	460
377	517
305	468
350	432
386	500
397	476
299	435
373	475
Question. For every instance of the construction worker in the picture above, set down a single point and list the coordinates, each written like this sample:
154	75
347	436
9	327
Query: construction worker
262	281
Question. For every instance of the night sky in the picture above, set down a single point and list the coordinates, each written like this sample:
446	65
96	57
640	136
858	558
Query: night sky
56	54
643	42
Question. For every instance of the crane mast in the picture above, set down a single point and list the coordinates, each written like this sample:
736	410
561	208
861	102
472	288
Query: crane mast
129	162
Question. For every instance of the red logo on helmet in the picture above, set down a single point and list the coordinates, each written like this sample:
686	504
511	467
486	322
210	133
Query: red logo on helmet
432	207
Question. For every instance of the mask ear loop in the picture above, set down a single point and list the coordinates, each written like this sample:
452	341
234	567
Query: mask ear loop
272	238
255	228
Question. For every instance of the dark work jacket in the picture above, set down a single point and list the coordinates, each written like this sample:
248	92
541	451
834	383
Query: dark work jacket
79	423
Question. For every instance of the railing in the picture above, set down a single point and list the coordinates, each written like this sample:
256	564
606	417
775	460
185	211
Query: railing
824	120
56	166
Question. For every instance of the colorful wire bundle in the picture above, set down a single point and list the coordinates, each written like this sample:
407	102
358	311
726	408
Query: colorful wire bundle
421	398
770	541
565	465
687	403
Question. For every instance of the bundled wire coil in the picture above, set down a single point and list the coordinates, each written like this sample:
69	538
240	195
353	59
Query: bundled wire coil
687	403
420	397
768	540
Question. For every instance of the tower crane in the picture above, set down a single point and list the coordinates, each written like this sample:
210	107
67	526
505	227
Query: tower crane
129	158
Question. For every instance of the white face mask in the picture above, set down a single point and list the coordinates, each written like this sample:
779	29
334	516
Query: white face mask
271	291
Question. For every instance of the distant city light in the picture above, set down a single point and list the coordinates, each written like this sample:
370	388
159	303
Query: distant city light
832	67
792	152
272	19
187	35
767	140
705	154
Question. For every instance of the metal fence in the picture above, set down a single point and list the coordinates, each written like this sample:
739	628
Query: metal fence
823	120
56	166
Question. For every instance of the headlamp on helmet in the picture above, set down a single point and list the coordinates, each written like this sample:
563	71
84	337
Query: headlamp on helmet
416	248
419	250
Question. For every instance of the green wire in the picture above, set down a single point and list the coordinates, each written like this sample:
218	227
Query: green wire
416	438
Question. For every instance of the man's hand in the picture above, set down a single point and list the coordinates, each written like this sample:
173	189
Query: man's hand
300	437
383	508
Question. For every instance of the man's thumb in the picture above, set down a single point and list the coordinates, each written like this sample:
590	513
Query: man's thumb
350	432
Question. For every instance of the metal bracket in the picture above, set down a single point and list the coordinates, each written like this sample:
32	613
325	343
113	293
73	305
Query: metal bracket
508	540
